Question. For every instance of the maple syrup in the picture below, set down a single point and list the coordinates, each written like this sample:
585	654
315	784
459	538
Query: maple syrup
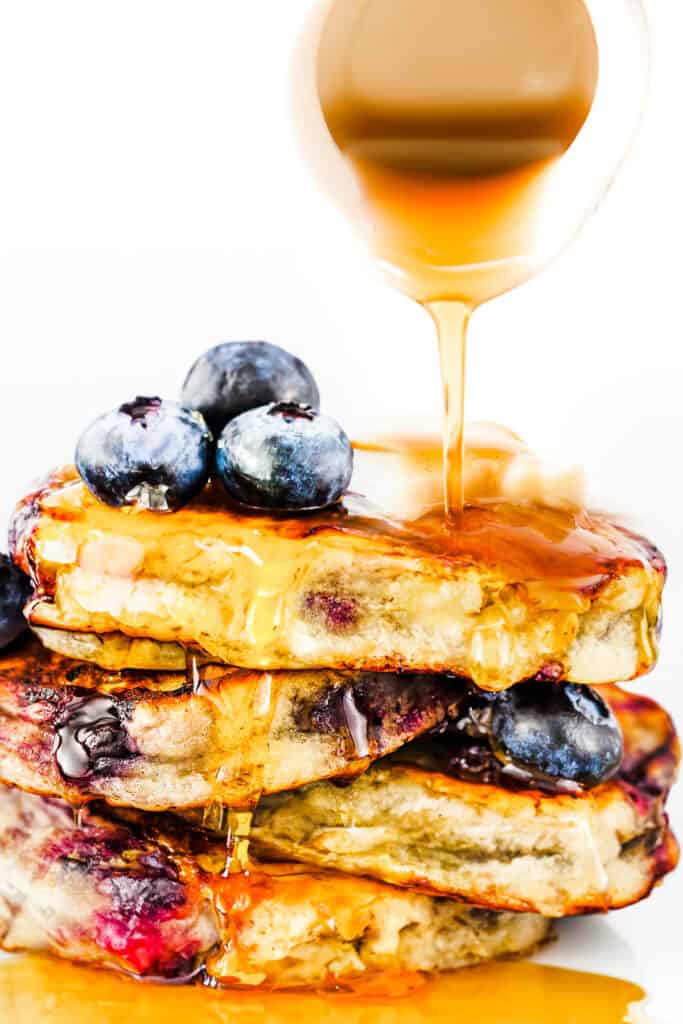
562	554
54	992
454	117
220	816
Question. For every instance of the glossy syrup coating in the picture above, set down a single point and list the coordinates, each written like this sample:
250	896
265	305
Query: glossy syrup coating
91	737
517	590
211	736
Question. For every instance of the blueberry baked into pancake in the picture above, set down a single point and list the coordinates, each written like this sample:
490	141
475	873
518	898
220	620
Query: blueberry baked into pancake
266	719
445	817
150	740
158	905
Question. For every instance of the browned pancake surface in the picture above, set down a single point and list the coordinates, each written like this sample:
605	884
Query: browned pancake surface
513	592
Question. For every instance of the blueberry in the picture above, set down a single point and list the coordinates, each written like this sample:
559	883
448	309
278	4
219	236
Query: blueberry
15	591
285	457
149	453
240	375
557	729
90	737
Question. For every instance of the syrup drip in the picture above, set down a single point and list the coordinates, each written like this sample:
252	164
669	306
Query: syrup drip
245	769
54	992
79	816
357	724
530	540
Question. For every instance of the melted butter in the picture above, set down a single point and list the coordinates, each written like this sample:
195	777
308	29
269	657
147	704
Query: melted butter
53	992
403	476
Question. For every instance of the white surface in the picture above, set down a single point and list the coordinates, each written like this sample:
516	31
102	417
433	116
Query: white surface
152	203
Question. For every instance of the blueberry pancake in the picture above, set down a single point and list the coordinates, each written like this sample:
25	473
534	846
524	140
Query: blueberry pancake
152	904
155	740
280	723
585	807
417	819
515	592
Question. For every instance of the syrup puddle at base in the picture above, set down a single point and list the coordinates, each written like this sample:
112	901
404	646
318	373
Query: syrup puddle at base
53	992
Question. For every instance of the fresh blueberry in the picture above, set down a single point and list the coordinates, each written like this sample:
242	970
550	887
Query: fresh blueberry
149	453
286	457
240	375
15	591
561	730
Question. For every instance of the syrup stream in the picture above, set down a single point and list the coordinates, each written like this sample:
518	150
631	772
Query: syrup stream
452	319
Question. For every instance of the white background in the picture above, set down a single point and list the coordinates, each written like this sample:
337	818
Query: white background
153	202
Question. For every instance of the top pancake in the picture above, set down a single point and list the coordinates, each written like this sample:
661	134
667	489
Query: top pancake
514	591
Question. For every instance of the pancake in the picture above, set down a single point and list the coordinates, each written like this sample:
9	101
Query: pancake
149	904
155	740
116	652
514	592
408	823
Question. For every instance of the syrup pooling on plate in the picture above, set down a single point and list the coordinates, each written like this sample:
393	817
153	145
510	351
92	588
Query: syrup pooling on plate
53	992
211	683
453	132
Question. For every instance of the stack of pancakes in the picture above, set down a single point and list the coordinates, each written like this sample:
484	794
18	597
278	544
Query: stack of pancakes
186	671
